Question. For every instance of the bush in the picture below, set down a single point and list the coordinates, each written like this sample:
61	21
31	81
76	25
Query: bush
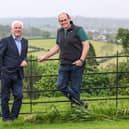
95	84
49	81
32	74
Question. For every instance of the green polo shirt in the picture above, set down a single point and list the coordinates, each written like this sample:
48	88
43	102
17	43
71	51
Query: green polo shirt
81	34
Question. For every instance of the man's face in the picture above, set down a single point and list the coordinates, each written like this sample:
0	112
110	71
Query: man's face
64	21
17	30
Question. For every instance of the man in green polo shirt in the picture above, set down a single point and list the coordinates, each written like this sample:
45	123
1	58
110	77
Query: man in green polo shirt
73	45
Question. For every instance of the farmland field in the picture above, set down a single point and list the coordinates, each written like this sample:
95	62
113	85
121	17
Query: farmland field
101	48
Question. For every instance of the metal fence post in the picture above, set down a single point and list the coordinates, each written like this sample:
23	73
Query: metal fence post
30	83
117	87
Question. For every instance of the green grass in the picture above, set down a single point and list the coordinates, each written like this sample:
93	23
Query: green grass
105	107
101	115
99	107
20	124
105	49
101	48
42	43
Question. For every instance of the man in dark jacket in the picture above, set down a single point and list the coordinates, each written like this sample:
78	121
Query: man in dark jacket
13	52
73	45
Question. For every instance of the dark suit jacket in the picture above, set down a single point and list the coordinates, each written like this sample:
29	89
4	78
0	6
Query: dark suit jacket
10	59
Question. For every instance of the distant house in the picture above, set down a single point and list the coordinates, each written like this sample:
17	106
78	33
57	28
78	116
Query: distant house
100	37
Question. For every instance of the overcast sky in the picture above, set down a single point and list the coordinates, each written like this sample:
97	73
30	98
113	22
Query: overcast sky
51	8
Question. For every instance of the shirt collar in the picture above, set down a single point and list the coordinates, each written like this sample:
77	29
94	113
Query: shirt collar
19	39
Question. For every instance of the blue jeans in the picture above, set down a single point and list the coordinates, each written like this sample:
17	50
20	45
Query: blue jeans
69	81
16	88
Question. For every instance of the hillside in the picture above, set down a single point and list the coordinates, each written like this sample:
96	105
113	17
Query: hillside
89	23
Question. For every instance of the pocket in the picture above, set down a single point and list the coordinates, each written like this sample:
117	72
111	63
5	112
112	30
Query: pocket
10	74
78	68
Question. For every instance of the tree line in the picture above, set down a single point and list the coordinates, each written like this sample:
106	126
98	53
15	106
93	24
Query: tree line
31	32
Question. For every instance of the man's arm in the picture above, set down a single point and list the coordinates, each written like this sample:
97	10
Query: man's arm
85	50
85	47
50	53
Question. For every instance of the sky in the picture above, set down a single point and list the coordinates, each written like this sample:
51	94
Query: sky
52	8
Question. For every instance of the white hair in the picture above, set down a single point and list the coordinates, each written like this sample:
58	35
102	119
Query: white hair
15	22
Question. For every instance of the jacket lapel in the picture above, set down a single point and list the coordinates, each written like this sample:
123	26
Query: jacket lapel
22	46
14	45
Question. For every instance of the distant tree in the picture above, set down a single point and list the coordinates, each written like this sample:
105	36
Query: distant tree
123	36
91	60
46	34
32	32
4	30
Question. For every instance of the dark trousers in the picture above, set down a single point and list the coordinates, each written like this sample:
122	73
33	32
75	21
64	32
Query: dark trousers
69	81
15	86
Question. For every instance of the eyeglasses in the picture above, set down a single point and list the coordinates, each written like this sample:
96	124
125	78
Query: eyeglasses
63	20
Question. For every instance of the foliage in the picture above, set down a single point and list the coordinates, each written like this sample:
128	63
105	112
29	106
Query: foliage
91	60
4	30
95	84
44	84
123	78
31	32
78	114
48	80
46	34
123	36
32	74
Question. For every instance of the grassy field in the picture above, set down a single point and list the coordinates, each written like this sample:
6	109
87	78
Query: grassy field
101	48
105	49
42	43
105	107
20	124
98	107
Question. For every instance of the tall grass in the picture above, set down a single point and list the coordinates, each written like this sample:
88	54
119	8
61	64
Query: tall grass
62	112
